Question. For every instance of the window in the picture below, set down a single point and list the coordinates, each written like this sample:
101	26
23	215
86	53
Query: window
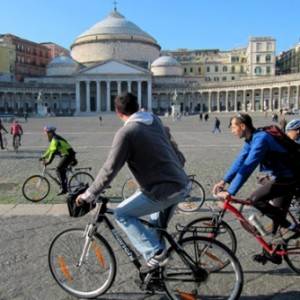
242	69
185	70
216	78
233	69
224	78
225	69
216	69
257	58
199	70
268	58
207	69
268	69
257	70
232	78
191	70
258	46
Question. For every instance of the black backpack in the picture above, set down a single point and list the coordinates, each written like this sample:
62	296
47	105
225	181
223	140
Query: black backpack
292	160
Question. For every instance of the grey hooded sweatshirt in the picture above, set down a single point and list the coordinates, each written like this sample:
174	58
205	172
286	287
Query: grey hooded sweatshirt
143	143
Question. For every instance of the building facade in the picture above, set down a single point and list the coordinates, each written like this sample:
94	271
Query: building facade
115	56
56	50
288	62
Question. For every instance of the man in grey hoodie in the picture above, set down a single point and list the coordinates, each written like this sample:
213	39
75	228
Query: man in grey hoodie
143	144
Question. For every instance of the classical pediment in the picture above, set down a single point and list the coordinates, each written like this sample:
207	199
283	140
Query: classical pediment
114	67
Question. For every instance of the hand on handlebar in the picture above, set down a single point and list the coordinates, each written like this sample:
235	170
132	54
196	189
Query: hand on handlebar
222	195
218	187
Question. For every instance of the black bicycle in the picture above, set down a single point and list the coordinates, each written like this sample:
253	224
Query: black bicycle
37	187
83	263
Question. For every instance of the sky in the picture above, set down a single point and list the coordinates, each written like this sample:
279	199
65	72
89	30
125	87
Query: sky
190	24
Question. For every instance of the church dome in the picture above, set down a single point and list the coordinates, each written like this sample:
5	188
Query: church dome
61	66
115	37
166	66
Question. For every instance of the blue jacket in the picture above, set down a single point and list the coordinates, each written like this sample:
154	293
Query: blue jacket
261	149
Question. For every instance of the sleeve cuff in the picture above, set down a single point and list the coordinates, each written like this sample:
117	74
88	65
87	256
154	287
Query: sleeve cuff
87	196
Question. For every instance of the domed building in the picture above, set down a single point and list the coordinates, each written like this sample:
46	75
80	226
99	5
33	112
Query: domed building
166	66
115	37
62	66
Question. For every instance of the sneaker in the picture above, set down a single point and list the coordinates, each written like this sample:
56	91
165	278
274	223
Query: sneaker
158	260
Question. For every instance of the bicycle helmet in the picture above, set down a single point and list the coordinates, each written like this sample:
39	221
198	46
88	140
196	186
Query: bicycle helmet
49	128
293	125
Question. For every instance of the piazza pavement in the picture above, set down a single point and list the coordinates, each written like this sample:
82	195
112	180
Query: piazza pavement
27	229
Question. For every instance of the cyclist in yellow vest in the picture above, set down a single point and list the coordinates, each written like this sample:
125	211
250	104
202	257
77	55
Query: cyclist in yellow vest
59	146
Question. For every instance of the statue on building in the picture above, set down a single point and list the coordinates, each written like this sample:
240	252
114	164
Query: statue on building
176	113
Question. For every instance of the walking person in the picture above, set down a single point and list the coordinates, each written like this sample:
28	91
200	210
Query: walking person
100	120
4	129
206	117
16	130
200	116
282	122
217	125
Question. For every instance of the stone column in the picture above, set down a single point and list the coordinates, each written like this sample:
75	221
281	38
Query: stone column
280	98
129	86
119	87
288	97
261	99
218	101
77	97
271	104
235	100
243	108
209	101
140	94
108	106
297	97
88	96
98	96
226	100
253	100
149	96
60	102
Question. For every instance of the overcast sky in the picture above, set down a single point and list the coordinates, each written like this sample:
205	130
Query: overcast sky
192	24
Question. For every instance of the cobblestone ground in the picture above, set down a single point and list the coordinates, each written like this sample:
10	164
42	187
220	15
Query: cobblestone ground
24	240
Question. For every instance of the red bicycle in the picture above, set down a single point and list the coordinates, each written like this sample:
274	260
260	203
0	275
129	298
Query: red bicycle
275	250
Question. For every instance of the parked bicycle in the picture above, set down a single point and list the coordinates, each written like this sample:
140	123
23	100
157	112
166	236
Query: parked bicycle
83	263
274	250
37	187
192	202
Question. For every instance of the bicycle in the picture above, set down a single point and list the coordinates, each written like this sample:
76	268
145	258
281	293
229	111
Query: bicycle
16	143
275	250
83	263
192	202
37	187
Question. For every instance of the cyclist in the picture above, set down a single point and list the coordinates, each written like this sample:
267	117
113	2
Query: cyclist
292	130
4	129
261	148
59	146
16	130
143	144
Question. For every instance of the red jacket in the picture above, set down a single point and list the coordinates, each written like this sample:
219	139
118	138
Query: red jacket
16	129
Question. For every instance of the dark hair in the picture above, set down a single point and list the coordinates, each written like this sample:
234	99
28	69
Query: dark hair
127	104
243	119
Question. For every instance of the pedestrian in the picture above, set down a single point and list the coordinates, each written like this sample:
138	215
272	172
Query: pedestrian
200	116
217	125
206	117
282	122
4	129
100	120
25	116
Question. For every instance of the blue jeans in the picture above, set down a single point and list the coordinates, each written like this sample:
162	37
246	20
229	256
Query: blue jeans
146	240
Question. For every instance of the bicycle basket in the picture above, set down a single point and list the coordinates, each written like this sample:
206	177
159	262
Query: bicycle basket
78	211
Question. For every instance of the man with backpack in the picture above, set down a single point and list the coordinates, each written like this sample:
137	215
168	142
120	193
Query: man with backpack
263	148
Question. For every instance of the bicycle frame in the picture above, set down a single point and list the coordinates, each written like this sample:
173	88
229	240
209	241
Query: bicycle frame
101	217
227	206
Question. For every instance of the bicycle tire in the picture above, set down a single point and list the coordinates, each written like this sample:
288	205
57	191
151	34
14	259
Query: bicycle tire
228	237
292	258
195	199
181	283
36	188
63	257
79	179
129	188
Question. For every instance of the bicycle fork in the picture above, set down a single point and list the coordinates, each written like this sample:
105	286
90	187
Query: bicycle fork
88	234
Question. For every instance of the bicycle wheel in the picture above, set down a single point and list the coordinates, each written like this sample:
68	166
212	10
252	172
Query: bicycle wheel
207	226
195	199
96	273
181	283
36	188
78	180
292	257
129	188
